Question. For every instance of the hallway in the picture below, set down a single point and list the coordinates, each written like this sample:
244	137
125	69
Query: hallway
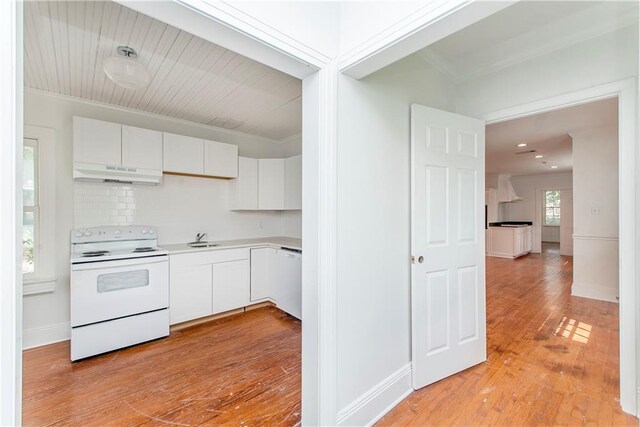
552	358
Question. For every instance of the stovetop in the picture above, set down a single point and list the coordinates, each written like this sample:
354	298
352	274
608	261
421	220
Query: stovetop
97	244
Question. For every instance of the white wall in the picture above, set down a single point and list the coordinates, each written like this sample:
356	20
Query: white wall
595	210
180	207
593	62
551	233
373	272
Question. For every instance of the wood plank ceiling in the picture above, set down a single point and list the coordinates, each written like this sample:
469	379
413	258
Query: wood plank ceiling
66	43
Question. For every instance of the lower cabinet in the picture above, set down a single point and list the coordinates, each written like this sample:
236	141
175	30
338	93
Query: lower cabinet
507	242
263	272
208	282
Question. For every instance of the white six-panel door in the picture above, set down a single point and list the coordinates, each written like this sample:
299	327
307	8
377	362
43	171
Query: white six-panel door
447	239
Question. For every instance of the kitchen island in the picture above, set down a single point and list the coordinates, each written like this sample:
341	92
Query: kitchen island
509	239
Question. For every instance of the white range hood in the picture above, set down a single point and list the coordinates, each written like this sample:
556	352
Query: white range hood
506	193
91	172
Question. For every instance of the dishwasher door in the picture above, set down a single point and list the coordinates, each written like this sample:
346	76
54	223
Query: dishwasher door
289	282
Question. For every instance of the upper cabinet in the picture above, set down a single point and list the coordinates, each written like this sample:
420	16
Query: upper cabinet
220	159
183	154
98	142
267	184
141	148
195	156
244	190
293	183
271	184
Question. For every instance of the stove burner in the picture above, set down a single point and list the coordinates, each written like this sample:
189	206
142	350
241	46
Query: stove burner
145	249
94	253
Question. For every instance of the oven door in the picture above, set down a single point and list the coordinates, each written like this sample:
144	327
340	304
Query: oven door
106	290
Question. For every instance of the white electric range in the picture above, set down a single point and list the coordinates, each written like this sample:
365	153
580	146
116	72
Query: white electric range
119	289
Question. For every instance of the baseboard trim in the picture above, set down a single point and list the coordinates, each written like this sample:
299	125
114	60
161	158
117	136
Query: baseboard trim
388	393
44	335
601	293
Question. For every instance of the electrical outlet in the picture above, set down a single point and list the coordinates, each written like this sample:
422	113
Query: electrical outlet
595	210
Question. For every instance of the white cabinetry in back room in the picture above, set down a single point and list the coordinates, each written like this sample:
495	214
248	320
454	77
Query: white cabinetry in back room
263	273
220	160
293	183
183	154
97	142
141	148
208	282
244	190
271	184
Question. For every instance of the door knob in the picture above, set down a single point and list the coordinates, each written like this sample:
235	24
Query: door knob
420	259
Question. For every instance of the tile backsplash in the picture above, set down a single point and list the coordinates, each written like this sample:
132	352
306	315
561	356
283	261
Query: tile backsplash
180	207
103	204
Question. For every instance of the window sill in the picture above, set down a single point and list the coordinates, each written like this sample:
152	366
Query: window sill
39	286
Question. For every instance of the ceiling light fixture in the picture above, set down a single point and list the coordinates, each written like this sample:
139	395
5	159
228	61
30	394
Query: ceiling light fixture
125	71
554	167
539	156
522	145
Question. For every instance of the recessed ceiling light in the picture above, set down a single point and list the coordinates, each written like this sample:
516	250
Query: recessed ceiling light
522	145
554	167
539	156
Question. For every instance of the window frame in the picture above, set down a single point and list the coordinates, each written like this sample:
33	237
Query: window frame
557	209
35	209
43	279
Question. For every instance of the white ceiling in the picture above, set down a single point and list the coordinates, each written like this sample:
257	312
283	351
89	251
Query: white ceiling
67	41
547	134
524	31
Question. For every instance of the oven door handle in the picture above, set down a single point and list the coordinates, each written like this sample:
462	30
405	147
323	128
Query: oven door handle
96	265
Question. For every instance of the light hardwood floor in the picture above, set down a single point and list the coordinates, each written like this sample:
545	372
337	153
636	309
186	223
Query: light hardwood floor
239	370
552	360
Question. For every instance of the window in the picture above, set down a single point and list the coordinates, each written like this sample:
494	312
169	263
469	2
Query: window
38	215
552	207
31	213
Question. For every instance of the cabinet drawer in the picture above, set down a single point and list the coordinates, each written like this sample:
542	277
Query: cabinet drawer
209	257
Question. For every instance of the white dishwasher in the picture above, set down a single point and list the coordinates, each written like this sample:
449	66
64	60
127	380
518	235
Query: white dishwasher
289	281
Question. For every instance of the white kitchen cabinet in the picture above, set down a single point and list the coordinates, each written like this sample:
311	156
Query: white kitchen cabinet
141	148
183	154
271	184
231	285
203	283
244	189
220	159
263	273
190	289
293	183
96	141
509	242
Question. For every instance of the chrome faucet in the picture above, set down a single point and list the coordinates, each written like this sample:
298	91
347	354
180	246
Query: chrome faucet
200	236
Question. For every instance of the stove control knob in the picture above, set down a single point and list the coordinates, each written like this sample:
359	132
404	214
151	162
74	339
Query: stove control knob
144	231
87	233
116	232
152	231
79	234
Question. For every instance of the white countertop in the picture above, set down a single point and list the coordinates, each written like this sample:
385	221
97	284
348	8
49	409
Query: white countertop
279	241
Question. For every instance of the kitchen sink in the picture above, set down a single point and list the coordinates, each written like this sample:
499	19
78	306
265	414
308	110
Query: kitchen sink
201	244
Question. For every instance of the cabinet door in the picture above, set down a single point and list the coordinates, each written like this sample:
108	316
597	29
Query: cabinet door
183	154
190	291
141	148
271	184
293	183
98	142
244	189
263	270
231	285
220	159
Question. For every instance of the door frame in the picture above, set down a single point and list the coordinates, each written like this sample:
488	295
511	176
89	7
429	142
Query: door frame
537	220
625	90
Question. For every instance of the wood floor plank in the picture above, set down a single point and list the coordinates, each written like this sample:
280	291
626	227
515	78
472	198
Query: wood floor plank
552	358
239	370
